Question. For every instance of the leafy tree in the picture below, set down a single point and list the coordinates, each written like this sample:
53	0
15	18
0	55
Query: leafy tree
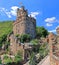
41	32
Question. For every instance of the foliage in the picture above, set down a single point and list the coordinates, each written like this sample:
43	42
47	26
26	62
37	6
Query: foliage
5	29
17	35
0	61
41	32
25	37
34	41
43	51
7	59
18	57
32	59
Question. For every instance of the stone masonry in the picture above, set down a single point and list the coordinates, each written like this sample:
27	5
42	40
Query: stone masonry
24	24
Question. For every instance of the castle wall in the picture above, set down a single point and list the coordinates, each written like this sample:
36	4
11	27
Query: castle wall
54	60
54	48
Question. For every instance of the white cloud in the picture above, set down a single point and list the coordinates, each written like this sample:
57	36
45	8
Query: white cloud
53	31
57	27
51	20
34	14
6	12
10	13
14	10
49	24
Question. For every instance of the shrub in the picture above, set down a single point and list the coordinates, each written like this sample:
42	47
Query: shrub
18	57
41	32
43	51
35	42
7	59
25	38
0	61
32	59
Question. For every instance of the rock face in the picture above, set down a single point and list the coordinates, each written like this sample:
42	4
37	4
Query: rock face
54	47
24	24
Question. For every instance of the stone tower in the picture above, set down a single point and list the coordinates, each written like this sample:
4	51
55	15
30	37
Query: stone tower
54	47
24	24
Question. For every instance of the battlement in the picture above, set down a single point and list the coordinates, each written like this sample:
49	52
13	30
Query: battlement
21	12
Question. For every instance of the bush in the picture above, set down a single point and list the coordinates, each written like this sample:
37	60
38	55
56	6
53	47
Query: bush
18	57
43	51
41	32
35	42
25	38
0	61
7	59
32	59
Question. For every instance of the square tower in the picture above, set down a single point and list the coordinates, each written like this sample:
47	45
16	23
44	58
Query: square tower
24	24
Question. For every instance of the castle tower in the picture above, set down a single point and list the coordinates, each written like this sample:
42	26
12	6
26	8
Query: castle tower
24	24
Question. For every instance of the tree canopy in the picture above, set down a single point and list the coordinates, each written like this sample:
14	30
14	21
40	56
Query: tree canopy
41	32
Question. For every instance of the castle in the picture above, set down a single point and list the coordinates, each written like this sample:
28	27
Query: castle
24	24
54	47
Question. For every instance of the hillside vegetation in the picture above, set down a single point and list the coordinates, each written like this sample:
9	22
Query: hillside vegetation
5	28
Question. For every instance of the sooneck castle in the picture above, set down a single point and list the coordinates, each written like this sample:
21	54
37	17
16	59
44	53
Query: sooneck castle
24	24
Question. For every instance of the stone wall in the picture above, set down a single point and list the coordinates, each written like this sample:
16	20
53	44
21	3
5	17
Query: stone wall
54	47
15	46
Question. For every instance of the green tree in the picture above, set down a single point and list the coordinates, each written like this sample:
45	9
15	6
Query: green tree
41	32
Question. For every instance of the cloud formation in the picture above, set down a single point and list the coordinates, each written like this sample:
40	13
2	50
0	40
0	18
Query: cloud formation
51	21
13	12
49	24
10	13
34	14
54	29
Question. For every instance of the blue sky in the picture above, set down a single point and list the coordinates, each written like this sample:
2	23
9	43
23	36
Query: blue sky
46	12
